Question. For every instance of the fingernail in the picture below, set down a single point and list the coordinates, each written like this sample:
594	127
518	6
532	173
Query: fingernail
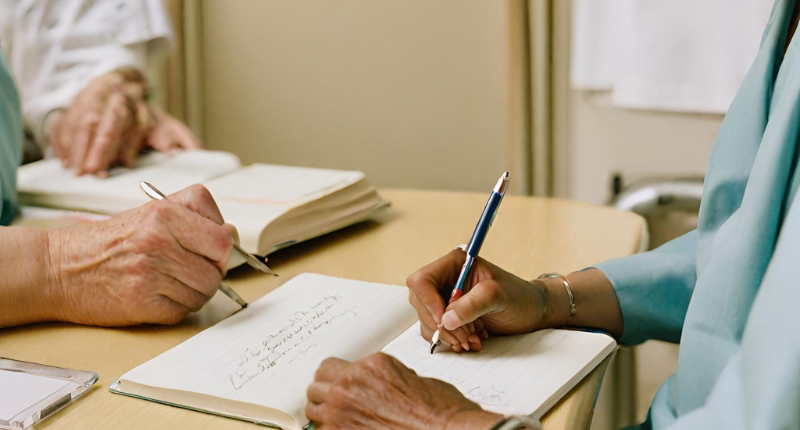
465	345
450	320
485	334
471	328
474	339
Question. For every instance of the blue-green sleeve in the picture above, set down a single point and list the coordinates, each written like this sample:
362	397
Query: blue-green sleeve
10	144
760	386
654	289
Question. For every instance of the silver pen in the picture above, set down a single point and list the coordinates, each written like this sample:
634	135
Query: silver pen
155	194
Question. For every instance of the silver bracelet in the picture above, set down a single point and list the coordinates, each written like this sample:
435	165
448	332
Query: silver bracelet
569	292
517	423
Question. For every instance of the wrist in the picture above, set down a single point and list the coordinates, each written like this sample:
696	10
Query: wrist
26	296
54	296
557	311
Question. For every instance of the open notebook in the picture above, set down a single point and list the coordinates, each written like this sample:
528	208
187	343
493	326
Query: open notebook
271	206
257	364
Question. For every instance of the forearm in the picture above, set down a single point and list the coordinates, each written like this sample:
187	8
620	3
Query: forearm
26	277
596	304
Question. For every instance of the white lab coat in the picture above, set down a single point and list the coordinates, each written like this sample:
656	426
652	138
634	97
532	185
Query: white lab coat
55	47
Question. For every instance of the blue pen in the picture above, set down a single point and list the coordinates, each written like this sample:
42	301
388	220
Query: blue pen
475	243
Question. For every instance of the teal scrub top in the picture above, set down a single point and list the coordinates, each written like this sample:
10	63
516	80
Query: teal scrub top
729	291
10	144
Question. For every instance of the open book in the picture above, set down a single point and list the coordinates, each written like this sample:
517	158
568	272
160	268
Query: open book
257	364
271	206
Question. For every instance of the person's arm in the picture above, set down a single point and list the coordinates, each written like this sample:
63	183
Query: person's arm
759	388
596	303
26	277
152	264
95	40
653	290
636	298
87	103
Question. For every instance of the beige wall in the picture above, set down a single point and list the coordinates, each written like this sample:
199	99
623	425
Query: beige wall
420	94
415	93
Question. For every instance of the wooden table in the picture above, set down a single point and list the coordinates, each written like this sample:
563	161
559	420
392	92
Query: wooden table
530	236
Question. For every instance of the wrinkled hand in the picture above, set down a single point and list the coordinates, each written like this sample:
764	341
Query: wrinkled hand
106	124
380	393
152	264
494	301
169	134
109	122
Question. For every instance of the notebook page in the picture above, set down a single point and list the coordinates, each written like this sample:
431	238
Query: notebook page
511	375
20	391
252	197
268	353
47	183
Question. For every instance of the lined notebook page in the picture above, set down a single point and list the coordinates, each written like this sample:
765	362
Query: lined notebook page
268	353
254	196
512	375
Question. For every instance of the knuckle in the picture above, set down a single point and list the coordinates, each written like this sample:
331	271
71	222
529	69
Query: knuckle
175	317
200	193
493	291
376	361
308	390
309	411
322	366
223	240
197	303
416	278
347	378
162	210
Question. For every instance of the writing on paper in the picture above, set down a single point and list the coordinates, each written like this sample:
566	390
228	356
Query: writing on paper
292	339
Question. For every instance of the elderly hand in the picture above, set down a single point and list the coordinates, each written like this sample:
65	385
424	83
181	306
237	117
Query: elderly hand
494	301
109	122
380	393
169	134
152	264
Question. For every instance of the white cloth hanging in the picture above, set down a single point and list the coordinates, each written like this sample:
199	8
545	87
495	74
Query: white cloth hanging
676	55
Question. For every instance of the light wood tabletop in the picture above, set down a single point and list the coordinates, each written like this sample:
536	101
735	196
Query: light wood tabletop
530	236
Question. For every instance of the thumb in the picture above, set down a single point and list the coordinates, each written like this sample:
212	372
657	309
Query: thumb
484	297
230	228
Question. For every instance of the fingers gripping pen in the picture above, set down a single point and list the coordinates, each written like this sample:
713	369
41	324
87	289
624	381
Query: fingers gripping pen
475	243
